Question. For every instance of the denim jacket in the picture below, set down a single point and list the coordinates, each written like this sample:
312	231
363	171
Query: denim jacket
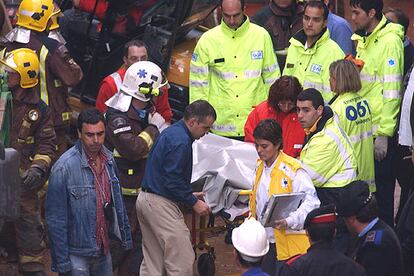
71	208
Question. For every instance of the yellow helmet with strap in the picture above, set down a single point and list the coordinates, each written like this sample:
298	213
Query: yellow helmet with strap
35	14
56	14
25	62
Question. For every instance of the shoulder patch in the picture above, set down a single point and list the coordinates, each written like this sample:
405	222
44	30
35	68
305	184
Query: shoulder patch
391	62
194	57
119	122
374	237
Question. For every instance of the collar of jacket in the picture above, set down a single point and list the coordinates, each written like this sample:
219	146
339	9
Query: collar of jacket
240	31
321	245
84	158
384	26
326	115
294	9
25	95
299	39
184	126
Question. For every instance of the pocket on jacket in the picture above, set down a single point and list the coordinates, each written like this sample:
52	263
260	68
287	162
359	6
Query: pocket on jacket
78	193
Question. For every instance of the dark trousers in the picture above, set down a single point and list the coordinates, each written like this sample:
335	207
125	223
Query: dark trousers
405	176
385	175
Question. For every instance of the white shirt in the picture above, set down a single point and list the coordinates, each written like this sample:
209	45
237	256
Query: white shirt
301	183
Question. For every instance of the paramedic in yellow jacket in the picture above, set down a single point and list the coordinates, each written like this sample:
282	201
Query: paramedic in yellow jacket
380	46
233	67
278	173
354	114
311	51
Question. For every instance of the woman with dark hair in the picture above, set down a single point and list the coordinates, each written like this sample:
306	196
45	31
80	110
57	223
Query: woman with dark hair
279	173
280	106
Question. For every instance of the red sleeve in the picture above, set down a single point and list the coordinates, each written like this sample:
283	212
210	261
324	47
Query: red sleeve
162	105
105	92
293	135
250	125
88	6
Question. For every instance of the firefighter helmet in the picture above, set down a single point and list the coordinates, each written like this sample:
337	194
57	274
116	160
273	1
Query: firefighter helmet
56	14
142	80
25	62
35	14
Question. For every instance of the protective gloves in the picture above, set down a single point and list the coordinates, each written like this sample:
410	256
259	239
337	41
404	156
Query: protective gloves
380	148
32	180
157	120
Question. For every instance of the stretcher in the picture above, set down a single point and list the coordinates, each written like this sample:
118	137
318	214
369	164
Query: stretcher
223	169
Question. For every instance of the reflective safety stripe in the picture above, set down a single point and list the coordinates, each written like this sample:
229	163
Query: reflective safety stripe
248	74
2	53
115	153
43	85
342	151
26	12
361	136
42	192
31	259
270	68
30	140
370	78
282	52
43	157
130	192
315	176
224	128
270	80
66	116
147	138
130	171
319	86
391	94
224	75
197	83
392	78
374	128
117	79
198	69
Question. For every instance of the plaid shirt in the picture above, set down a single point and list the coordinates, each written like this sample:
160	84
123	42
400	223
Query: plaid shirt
103	195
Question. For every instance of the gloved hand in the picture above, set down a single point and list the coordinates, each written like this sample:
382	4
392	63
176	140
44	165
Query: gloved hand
380	148
157	120
32	180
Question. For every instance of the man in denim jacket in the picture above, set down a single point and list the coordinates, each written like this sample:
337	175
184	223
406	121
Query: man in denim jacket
84	204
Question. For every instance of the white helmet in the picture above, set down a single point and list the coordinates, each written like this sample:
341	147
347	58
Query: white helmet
250	240
142	80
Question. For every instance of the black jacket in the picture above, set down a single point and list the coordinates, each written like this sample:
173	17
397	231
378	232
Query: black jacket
405	232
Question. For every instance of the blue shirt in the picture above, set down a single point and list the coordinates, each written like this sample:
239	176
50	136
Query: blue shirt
340	31
170	164
255	271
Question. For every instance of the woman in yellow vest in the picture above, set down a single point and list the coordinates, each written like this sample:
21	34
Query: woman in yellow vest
278	173
354	113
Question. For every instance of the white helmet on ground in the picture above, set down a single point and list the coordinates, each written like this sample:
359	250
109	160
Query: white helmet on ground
142	80
250	240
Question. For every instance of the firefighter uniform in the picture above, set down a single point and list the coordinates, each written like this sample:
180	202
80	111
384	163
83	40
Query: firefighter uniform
354	114
57	71
311	64
130	137
33	136
233	70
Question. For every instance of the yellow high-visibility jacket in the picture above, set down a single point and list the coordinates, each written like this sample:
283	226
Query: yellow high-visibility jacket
383	54
354	114
233	70
311	65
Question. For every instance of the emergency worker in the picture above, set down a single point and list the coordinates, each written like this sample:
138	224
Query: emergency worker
282	19
134	51
32	135
327	155
232	67
380	46
376	246
278	173
132	127
280	106
57	69
311	51
354	114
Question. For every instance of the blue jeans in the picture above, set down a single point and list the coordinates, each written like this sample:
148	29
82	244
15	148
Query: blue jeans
91	266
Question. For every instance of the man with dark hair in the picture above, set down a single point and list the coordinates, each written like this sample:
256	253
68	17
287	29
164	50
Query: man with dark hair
311	51
134	51
327	155
376	246
380	46
233	66
167	182
282	19
84	205
321	259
